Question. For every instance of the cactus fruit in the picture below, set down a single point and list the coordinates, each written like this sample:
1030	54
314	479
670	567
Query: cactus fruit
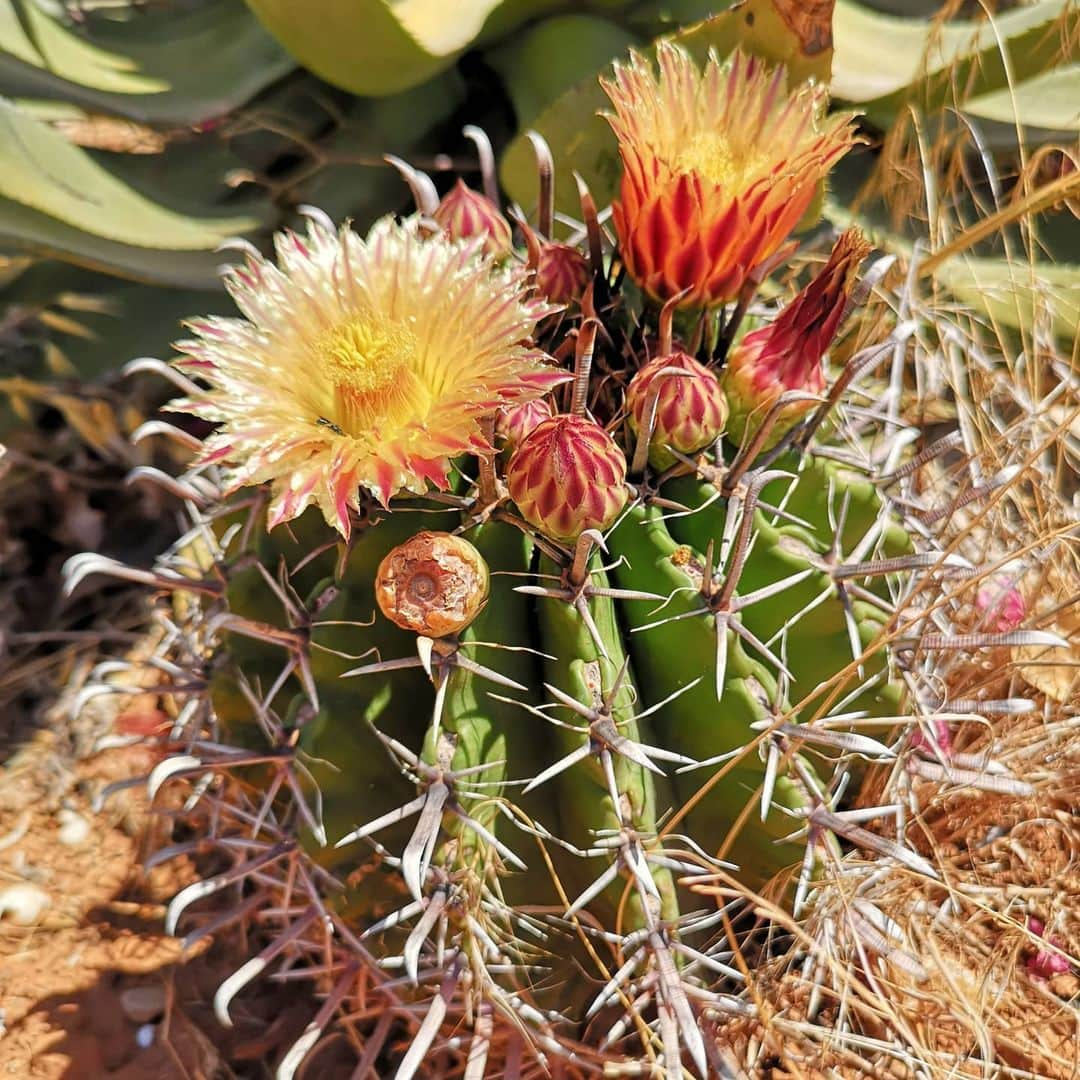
498	725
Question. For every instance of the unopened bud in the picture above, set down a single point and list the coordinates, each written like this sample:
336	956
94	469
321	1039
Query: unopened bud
569	475
690	409
465	213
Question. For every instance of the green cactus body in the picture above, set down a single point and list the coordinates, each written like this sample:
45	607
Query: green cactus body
580	669
818	640
680	657
820	489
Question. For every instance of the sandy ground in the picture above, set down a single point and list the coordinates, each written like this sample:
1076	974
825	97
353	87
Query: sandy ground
90	984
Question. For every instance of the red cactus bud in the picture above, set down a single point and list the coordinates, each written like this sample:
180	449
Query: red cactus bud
562	273
568	476
514	422
434	584
691	410
465	213
786	354
1001	604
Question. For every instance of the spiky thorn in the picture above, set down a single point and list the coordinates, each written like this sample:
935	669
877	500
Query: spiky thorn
80	567
421	185
718	593
576	587
678	1025
652	402
439	795
595	237
490	488
1003	479
583	358
489	178
800	436
545	168
715	474
945	445
601	735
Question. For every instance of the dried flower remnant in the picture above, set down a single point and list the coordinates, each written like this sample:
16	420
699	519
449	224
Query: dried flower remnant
1000	604
435	584
786	354
1044	963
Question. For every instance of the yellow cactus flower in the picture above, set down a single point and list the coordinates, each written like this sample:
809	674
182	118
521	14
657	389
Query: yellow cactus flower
718	167
362	364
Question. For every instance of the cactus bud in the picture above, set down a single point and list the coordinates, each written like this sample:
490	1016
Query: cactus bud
513	423
568	476
562	273
786	354
465	213
691	410
434	584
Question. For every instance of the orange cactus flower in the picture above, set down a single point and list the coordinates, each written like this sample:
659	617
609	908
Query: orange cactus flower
786	354
718	167
362	364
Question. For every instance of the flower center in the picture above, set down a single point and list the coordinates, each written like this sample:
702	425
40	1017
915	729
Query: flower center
371	366
712	155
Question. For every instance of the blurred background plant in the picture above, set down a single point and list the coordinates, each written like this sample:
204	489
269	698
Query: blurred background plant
137	137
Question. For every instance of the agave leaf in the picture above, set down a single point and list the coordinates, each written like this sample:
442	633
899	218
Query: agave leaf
356	182
1050	101
55	199
377	47
781	31
142	68
935	64
1012	293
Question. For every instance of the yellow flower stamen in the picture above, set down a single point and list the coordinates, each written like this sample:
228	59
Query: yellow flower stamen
716	158
371	367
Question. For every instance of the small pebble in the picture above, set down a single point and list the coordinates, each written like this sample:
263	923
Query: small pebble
23	902
74	828
144	1037
143	1003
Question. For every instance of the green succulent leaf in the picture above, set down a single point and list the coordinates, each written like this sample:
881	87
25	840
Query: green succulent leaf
144	67
547	60
986	64
57	200
377	47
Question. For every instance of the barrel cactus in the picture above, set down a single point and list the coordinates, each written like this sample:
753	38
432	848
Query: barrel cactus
535	628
